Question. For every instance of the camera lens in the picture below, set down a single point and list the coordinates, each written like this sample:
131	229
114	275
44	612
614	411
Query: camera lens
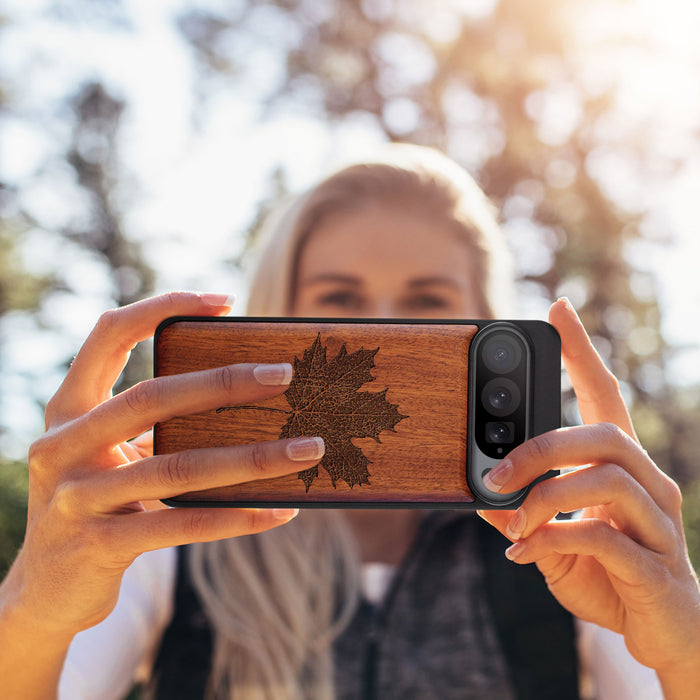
500	396
499	432
502	353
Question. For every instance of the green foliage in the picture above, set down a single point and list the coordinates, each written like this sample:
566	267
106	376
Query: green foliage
18	289
14	483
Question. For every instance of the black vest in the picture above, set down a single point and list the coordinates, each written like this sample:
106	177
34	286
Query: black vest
534	634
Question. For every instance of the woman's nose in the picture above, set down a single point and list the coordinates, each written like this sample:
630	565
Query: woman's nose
383	308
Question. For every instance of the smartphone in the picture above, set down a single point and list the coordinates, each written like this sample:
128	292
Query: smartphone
413	413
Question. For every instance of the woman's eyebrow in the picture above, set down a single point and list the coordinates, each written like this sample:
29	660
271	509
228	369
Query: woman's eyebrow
333	277
433	281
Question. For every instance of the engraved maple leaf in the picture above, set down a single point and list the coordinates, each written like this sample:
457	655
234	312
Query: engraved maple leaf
325	401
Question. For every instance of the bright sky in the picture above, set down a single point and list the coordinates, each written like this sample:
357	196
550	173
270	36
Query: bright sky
194	189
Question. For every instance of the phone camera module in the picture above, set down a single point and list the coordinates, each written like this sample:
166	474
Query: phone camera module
500	432
500	394
502	353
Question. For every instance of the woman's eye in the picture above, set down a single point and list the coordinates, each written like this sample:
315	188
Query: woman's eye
341	299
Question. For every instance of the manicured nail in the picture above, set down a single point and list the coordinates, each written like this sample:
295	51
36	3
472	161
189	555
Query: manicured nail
273	375
515	550
517	525
285	514
305	448
218	299
569	306
499	476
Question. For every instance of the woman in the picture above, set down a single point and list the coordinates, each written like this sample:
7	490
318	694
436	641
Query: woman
412	236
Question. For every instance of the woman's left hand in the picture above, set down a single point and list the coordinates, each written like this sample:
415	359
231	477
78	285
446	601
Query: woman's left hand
623	564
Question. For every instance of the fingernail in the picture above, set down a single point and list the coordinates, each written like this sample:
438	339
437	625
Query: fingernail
273	375
498	477
218	299
517	525
515	550
285	514
304	449
569	306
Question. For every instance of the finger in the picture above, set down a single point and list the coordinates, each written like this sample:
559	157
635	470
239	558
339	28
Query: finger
596	388
102	357
165	476
138	448
579	445
142	532
157	400
143	444
606	486
618	554
497	518
131	452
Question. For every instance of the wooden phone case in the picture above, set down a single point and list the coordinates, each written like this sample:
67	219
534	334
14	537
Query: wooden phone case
389	399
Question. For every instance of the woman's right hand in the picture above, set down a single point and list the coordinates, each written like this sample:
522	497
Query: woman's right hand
88	516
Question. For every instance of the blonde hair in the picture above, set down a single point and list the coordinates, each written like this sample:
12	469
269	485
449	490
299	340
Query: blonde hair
277	600
404	175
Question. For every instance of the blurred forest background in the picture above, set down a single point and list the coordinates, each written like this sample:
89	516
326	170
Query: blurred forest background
580	119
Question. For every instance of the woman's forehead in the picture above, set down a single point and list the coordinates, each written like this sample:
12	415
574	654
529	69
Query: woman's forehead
383	234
